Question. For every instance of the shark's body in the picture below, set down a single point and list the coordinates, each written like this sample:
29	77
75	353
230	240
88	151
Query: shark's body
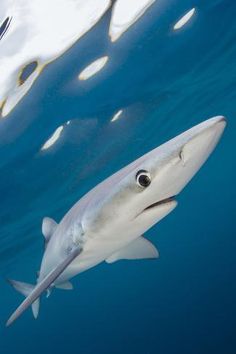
109	221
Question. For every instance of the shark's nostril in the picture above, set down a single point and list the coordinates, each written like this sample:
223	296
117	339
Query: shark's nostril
181	156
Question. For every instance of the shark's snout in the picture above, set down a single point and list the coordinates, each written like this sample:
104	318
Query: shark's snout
202	141
172	165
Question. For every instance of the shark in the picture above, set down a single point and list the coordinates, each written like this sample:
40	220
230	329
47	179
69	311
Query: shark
109	222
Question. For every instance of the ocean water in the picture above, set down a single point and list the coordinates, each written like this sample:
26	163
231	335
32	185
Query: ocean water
164	82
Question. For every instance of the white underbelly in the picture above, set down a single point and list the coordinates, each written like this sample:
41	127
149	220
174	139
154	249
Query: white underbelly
96	250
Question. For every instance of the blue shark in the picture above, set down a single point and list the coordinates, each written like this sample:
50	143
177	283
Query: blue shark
109	222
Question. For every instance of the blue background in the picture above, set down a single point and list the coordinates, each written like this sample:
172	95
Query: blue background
165	82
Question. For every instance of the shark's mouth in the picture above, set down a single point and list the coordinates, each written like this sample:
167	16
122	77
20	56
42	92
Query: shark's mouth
161	202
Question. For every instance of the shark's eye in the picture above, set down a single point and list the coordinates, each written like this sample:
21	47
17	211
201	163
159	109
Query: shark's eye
143	178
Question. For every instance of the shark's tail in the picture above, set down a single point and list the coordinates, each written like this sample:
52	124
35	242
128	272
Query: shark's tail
26	289
33	293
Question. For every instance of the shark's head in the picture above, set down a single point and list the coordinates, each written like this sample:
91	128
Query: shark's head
144	192
128	203
138	196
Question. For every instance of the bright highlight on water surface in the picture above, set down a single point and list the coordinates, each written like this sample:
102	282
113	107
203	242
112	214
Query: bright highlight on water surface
124	14
93	68
117	116
184	19
55	136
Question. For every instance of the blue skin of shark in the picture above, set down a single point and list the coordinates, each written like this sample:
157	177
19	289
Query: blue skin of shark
108	223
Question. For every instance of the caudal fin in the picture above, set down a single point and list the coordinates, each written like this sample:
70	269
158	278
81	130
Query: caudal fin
43	285
26	289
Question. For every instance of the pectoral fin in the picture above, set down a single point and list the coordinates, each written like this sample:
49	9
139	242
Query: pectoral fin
140	248
44	285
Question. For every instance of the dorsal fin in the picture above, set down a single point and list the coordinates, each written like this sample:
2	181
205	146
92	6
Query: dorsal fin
48	228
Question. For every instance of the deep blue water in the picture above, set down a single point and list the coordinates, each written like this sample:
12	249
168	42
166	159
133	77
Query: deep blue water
165	82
